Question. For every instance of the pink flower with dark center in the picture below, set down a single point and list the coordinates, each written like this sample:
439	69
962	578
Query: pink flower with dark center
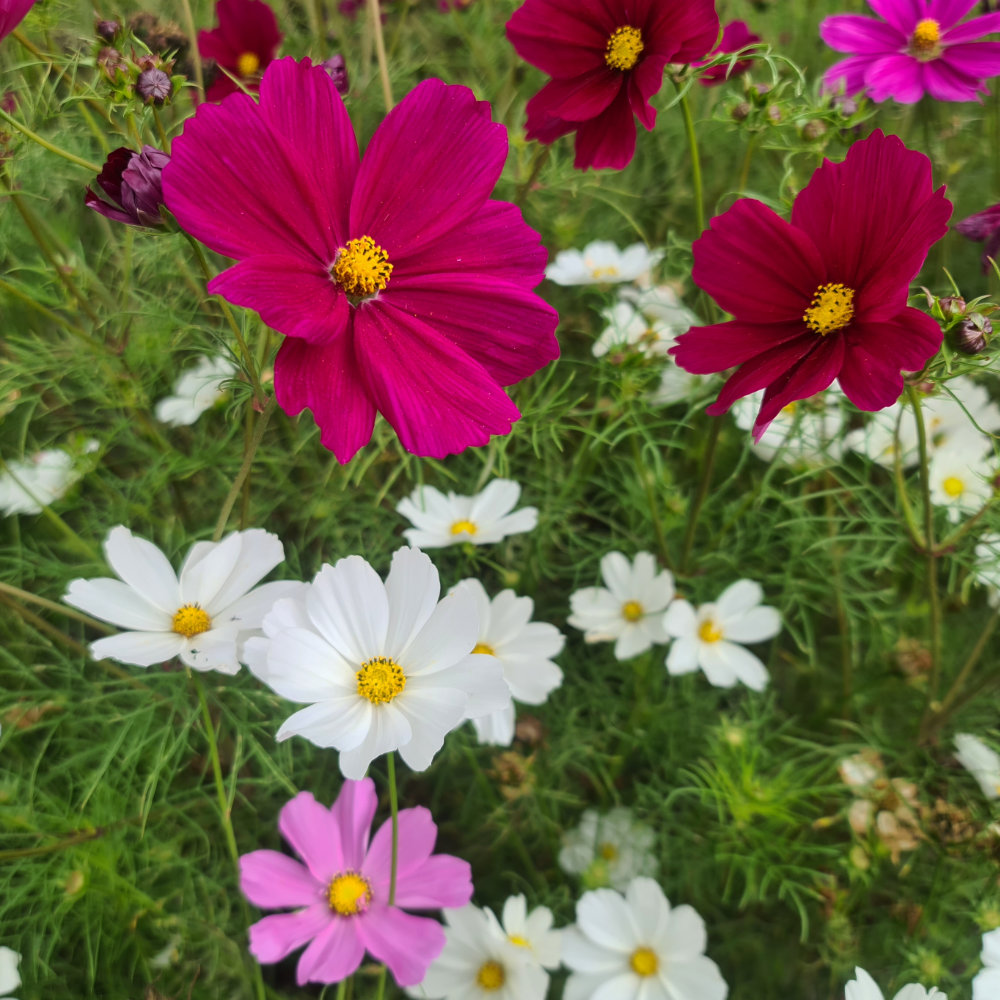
606	60
244	44
340	896
917	48
400	285
735	36
12	13
984	227
824	296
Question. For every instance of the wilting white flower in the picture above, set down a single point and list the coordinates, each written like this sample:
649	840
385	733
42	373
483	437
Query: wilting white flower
960	477
638	948
601	262
10	979
863	987
195	391
481	519
29	485
629	609
651	330
608	850
806	430
203	615
532	931
982	762
986	984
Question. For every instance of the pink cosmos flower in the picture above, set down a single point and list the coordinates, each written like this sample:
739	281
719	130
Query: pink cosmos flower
735	36
12	13
606	60
244	44
824	296
400	285
341	894
918	48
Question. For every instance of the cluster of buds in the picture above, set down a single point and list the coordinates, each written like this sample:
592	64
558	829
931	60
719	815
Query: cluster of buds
967	324
133	75
761	105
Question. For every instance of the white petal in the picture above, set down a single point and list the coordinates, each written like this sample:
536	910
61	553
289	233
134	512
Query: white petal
616	571
727	659
302	666
332	723
582	954
447	637
497	728
683	656
259	552
603	916
497	499
142	649
685	935
118	603
755	625
986	985
252	608
144	568
623	986
212	650
525	519
863	988
650	909
389	730
680	619
9	977
718	665
348	605
697	978
412	589
598	612
531	681
739	597
631	642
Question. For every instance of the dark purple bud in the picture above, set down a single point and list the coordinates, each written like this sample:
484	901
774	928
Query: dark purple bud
153	86
113	64
337	69
983	227
972	334
9	102
107	30
133	183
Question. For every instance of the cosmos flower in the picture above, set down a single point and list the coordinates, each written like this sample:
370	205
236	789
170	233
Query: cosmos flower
244	45
736	35
10	978
532	931
400	286
606	59
961	477
917	48
863	987
983	227
340	895
649	330
133	183
986	983
28	485
12	13
981	761
602	263
824	296
608	849
196	390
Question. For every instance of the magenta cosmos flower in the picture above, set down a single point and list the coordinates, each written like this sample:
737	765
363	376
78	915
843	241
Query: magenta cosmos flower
918	48
606	60
400	285
824	296
736	35
244	44
12	13
340	896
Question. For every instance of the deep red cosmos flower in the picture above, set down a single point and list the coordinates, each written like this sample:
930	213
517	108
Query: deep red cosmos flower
822	297
736	35
400	285
606	60
244	44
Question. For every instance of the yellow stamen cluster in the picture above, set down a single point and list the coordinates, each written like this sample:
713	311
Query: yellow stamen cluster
644	961
491	976
632	611
925	39
349	893
362	268
191	620
600	273
608	851
708	631
380	679
482	647
247	65
519	941
832	308
953	486
624	48
464	527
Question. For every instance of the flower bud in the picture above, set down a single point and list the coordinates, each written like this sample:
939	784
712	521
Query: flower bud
774	113
847	106
741	112
813	130
153	86
107	30
952	306
132	183
113	64
972	333
337	69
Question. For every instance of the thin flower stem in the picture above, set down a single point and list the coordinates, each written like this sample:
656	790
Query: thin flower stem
394	811
538	161
909	516
383	62
94	168
654	513
707	464
692	139
199	73
53	317
747	159
161	131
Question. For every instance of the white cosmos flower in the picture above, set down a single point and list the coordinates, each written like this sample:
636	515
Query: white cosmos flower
523	649
982	762
203	615
960	477
26	486
10	979
709	637
676	386
863	987
986	984
532	931
479	962
481	519
651	331
601	263
638	948
608	850
986	569
196	390
805	431
629	609
384	666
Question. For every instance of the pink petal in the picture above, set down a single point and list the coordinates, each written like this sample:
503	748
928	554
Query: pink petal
441	881
854	33
761	371
334	954
12	14
607	142
405	943
948	81
353	812
580	97
645	81
898	76
561	37
948	12
681	30
431	165
975	59
278	935
327	380
417	834
848	74
314	834
901	14
271	880
972	30
706	349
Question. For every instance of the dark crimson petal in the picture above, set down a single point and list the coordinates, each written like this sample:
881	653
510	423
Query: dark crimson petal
438	399
561	37
756	266
509	330
645	81
607	141
110	177
325	378
91	200
761	370
580	97
870	381
706	349
431	165
541	125
682	30
244	26
910	339
12	13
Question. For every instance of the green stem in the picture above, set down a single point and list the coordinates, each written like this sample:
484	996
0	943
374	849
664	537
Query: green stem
692	139
747	158
708	461
94	168
538	161
199	73
383	62
61	609
394	809
647	482
909	516
53	317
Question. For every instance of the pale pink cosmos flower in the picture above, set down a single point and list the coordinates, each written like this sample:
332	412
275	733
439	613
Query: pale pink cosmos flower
339	897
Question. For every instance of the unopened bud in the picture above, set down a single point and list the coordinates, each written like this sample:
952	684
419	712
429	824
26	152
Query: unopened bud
132	185
952	306
814	129
153	86
774	113
113	64
972	333
107	30
846	105
741	112
337	69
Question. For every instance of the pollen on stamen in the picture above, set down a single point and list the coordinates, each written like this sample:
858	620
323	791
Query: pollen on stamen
248	64
832	308
361	268
380	679
624	48
925	39
190	620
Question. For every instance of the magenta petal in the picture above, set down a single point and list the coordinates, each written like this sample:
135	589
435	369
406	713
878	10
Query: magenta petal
272	880
901	14
278	935
848	74
406	194
438	399
314	835
561	37
607	142
441	881
579	97
417	834
334	954
947	81
897	76
854	33
975	59
327	380
681	30
706	349
971	30
294	295
645	81
405	943
760	371
908	340
948	12
12	13
353	812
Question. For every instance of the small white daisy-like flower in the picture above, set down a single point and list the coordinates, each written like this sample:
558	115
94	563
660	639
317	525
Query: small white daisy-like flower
203	615
26	486
710	637
651	332
480	962
960	477
608	850
196	390
523	649
10	978
532	931
628	609
863	987
601	263
986	984
638	948
481	519
804	431
982	762
384	666
676	386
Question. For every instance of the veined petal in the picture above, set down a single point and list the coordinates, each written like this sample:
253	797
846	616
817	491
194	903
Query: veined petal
144	568
348	605
303	666
561	37
412	587
407	944
607	142
854	33
761	371
446	637
417	834
278	935
270	879
353	812
578	98
706	349
441	881
314	833
333	955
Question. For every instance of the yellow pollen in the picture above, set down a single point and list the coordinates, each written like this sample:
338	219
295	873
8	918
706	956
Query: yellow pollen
191	620
349	893
361	268
953	486
380	679
491	976
624	47
644	961
518	940
789	408
832	308
597	273
708	631
926	36
632	611
463	526
608	851
247	64
481	647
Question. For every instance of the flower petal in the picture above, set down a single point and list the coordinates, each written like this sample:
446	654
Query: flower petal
607	142
561	37
706	349
144	568
142	649
405	943
274	937
271	880
314	833
334	954
118	603
897	76
854	33
412	588
441	881
348	605
417	834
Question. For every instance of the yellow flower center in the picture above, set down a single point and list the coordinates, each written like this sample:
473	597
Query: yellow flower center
349	893
953	486
361	268
380	679
463	527
482	647
608	851
247	64
491	976
624	47
708	631
832	308
191	620
632	611
789	408
926	35
519	941
597	273
644	961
